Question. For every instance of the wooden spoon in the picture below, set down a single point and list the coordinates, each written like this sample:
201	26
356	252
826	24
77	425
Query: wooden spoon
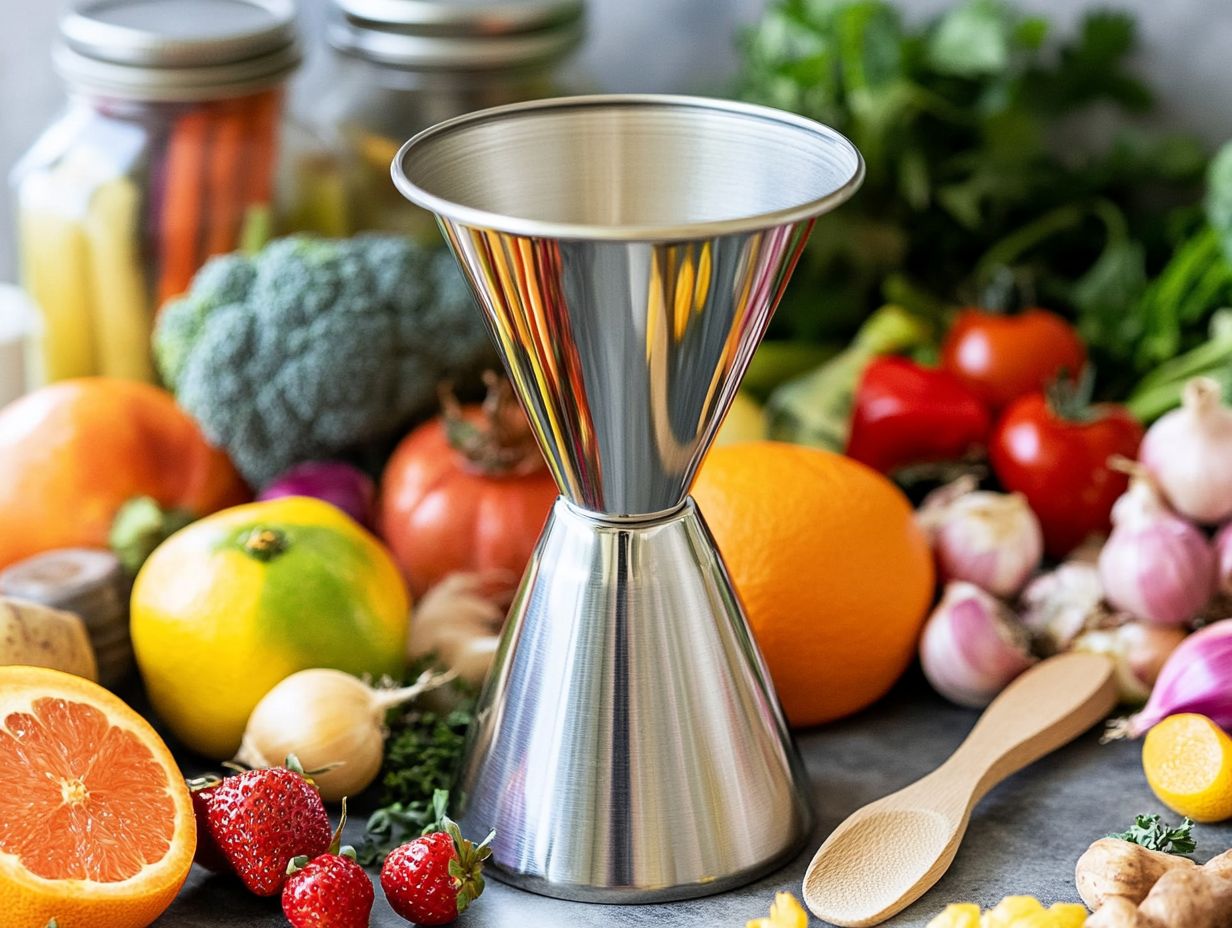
889	853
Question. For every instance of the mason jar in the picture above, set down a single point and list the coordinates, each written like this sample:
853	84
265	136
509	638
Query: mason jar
399	66
167	153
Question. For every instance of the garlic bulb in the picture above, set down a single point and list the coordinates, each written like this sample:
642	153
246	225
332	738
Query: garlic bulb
1138	649
1189	453
972	646
1057	606
1223	555
1155	565
459	624
990	539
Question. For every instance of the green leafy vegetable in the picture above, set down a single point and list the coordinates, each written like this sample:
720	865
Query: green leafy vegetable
422	755
1153	835
974	175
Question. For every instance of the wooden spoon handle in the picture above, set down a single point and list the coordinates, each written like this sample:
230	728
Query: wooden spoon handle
1048	706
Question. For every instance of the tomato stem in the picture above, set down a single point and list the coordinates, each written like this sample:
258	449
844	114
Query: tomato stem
502	444
1069	396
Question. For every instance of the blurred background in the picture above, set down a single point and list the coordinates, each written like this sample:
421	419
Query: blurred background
667	45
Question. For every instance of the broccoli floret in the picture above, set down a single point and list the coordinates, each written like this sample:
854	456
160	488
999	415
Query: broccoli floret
314	347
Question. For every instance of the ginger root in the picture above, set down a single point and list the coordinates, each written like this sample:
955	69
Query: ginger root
1129	886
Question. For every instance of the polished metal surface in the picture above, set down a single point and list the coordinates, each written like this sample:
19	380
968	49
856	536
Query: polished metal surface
628	745
627	253
625	336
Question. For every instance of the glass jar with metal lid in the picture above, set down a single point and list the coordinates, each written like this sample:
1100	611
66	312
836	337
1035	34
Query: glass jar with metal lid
400	66
166	154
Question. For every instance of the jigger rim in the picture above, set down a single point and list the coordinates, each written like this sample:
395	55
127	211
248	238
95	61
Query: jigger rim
650	232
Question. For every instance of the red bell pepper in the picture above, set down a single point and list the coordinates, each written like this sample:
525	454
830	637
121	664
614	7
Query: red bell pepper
907	414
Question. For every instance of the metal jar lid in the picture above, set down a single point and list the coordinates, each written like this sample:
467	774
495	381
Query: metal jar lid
177	49
457	35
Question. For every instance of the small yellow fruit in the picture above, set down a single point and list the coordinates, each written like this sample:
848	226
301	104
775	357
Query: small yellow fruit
1010	911
1068	915
1187	759
958	915
785	912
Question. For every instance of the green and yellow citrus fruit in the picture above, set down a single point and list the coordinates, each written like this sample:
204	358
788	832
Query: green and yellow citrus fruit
231	605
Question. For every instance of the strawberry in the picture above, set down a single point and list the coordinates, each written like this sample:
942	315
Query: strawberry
431	880
261	819
208	853
328	891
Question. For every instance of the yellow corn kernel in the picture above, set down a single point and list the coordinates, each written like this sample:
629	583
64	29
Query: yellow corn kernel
785	912
1068	915
1010	910
958	915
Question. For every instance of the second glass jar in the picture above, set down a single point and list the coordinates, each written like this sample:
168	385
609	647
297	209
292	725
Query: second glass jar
398	67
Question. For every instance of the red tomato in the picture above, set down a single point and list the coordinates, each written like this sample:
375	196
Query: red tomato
442	510
1061	466
1001	358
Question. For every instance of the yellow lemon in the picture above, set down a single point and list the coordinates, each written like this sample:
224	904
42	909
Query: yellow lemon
1188	762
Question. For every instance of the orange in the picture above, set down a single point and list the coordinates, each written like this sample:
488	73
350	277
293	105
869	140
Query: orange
834	574
1187	759
96	824
74	452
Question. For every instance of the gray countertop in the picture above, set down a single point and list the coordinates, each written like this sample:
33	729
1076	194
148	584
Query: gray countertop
1024	837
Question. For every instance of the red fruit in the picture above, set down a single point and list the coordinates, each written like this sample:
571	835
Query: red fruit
208	854
418	881
1001	358
329	891
905	414
466	492
261	819
1059	460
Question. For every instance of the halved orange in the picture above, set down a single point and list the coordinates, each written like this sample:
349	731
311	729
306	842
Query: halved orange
96	823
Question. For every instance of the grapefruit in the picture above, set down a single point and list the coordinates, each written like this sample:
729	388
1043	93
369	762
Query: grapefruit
96	823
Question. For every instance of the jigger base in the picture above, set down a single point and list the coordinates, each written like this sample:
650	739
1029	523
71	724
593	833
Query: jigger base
628	745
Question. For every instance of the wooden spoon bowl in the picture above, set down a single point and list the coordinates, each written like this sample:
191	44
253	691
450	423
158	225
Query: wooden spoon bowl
889	853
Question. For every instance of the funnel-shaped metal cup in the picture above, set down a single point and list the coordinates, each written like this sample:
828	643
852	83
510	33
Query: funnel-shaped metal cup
628	253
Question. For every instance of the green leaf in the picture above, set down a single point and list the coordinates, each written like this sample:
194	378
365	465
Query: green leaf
870	40
1105	297
1219	197
1031	32
972	40
1149	832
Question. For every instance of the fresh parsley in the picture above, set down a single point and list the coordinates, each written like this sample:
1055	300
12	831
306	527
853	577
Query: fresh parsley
975	176
422	756
1154	835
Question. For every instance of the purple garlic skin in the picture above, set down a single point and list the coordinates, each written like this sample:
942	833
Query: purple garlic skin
1155	565
972	646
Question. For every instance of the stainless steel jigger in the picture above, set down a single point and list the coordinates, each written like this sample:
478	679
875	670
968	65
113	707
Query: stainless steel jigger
628	252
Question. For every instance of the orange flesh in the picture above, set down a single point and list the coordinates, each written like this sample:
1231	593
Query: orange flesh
80	798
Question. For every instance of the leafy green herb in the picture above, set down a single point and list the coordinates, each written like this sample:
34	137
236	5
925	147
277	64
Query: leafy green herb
422	756
1153	835
974	177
